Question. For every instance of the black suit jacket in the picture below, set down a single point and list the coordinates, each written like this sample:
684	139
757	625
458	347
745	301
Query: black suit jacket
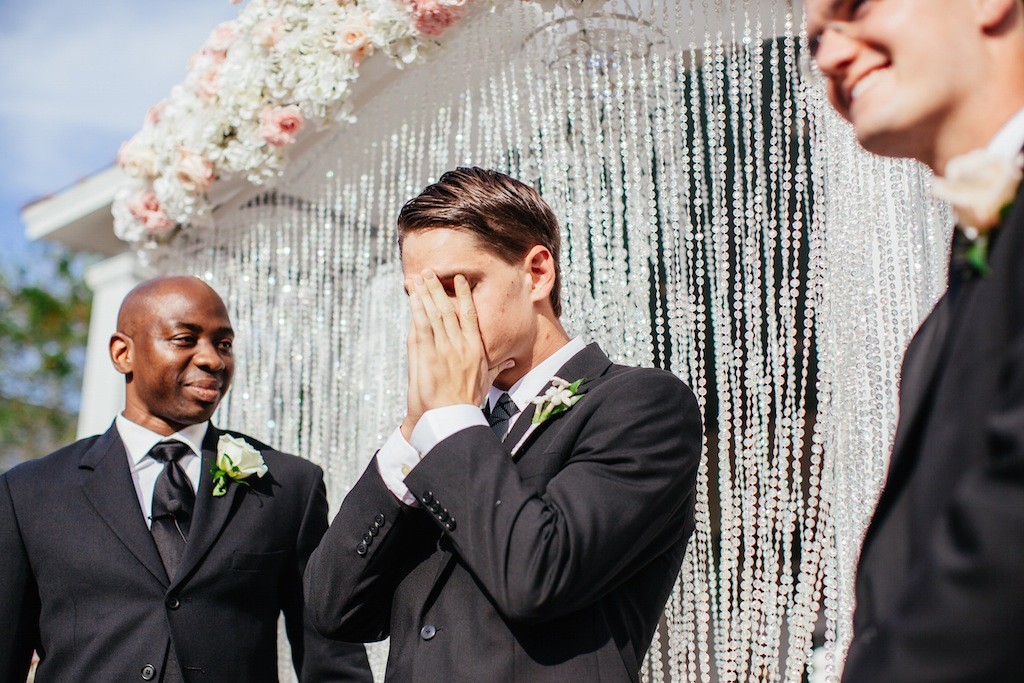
552	565
941	574
82	581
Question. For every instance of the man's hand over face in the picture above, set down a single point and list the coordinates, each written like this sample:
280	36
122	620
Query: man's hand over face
447	362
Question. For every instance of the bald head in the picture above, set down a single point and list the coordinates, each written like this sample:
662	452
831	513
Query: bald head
173	345
146	299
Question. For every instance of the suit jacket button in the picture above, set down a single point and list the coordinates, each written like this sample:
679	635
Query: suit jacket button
443	516
428	632
148	672
450	525
367	538
434	507
374	530
361	549
427	498
379	520
173	603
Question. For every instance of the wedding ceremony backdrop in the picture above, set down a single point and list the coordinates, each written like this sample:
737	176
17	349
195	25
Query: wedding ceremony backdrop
718	220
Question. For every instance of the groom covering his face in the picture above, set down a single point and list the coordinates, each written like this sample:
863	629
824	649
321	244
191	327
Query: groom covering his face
494	545
942	564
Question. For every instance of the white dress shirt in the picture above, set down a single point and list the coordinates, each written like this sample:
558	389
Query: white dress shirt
1010	139
138	441
397	457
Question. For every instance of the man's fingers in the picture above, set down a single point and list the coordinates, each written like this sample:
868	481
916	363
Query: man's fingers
430	310
418	314
413	397
412	351
411	348
493	372
443	304
468	321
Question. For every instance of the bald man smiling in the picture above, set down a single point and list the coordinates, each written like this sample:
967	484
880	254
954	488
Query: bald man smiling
165	549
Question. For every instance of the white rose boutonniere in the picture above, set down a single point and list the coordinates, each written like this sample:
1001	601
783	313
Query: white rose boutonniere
237	460
981	186
559	397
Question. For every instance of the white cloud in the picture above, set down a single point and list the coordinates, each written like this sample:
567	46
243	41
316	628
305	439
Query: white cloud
77	79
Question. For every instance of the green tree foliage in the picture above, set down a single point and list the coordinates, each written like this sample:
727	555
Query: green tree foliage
44	322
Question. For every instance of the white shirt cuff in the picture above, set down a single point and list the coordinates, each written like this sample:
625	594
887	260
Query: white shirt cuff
395	459
438	424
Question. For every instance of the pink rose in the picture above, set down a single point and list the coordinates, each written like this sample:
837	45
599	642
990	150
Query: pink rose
353	37
236	2
432	18
208	85
280	125
223	37
206	58
268	32
193	171
154	113
146	209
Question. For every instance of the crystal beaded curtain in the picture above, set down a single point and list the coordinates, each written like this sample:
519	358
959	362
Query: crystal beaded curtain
717	221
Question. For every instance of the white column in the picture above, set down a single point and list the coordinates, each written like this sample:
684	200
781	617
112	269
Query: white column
102	385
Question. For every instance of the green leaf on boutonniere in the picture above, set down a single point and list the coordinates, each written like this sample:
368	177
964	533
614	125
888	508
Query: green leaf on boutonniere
1004	213
559	397
977	255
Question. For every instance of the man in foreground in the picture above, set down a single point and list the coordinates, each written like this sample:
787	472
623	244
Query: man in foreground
538	539
942	565
164	549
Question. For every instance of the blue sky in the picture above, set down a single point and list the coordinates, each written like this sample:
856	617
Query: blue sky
76	79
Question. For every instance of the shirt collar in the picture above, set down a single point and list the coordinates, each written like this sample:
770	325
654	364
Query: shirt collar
530	384
1009	141
138	440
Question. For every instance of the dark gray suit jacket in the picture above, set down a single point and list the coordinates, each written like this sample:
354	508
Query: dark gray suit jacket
554	565
941	574
82	583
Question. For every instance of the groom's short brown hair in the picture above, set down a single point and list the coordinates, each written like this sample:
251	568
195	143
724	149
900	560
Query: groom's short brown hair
507	217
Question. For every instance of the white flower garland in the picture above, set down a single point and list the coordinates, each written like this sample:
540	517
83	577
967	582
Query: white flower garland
253	86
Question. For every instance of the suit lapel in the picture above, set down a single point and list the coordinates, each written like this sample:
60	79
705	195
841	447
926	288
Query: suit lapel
211	512
919	372
523	429
918	378
590	363
107	483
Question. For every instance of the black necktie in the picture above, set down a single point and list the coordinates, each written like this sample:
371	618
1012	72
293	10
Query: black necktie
502	412
173	502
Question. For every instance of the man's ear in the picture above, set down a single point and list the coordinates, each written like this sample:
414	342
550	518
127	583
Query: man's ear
992	14
541	265
121	352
